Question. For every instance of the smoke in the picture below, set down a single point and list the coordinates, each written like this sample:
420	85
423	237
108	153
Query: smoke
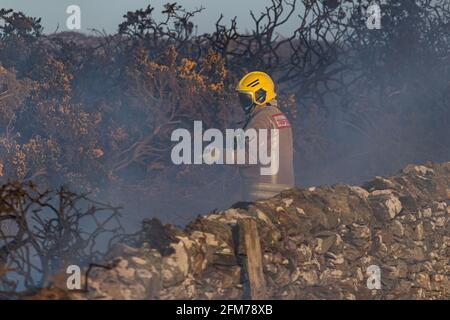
105	107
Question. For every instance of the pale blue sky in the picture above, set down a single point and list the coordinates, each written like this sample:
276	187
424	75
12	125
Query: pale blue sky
107	14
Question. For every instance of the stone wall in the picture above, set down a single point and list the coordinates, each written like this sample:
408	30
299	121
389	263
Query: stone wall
317	243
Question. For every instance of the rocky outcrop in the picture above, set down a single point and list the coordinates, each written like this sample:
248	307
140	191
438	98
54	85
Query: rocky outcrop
316	243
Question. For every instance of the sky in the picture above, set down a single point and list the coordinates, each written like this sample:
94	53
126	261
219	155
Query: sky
107	14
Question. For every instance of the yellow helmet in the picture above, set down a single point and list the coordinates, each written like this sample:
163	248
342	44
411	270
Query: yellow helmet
255	88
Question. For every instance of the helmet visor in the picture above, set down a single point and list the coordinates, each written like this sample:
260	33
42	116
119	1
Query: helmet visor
246	101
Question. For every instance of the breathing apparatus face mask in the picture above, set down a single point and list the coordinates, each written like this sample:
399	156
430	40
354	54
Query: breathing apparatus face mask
246	101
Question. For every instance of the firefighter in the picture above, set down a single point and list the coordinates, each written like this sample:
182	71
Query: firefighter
257	95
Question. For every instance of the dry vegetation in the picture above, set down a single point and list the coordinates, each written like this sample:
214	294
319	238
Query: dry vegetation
96	112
